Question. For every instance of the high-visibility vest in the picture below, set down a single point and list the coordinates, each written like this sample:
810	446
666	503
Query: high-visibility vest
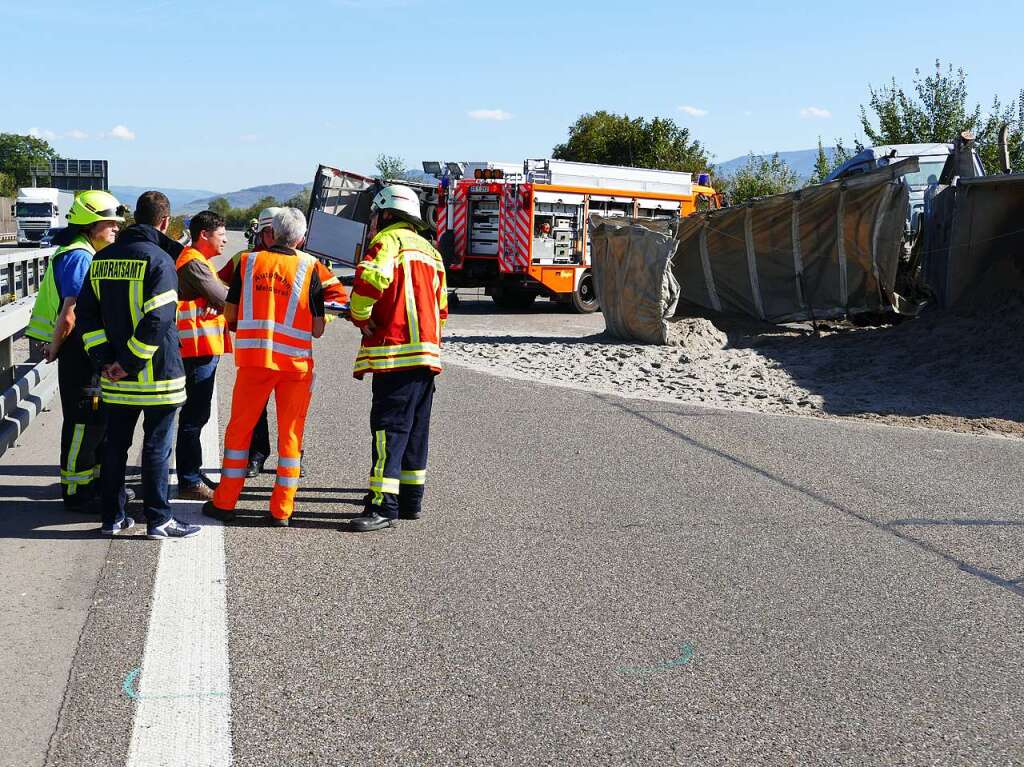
48	301
200	336
275	324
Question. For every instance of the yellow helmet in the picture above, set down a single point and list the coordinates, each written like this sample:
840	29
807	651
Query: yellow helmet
95	205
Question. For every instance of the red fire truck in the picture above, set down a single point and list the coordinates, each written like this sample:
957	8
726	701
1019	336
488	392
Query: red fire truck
521	231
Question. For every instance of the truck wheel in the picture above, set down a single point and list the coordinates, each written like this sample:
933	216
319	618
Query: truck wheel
514	299
584	298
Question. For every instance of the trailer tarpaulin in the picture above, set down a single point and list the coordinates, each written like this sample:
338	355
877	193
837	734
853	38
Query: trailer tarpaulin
974	242
825	251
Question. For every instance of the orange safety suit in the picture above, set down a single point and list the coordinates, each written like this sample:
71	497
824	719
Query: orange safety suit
273	353
200	335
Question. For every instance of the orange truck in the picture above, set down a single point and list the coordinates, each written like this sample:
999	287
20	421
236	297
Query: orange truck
520	231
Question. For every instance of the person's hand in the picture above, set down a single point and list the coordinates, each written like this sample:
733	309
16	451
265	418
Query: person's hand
51	352
210	312
113	372
366	327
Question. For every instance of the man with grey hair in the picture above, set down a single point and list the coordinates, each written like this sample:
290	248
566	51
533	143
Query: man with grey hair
275	305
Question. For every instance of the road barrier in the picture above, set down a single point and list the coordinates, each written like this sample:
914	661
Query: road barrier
27	387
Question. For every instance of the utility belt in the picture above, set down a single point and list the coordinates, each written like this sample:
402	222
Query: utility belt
91	394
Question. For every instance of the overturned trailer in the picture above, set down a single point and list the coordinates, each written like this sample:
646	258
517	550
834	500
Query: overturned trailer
828	251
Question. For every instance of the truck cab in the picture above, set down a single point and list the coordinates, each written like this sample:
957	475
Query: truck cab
932	159
37	210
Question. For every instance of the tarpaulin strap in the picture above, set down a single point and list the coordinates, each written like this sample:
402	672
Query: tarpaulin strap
844	290
705	262
755	283
798	259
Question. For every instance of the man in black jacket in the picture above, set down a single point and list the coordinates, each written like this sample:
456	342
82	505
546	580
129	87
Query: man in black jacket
126	311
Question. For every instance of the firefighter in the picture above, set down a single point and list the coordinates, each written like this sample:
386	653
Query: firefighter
204	338
127	314
399	303
93	223
276	306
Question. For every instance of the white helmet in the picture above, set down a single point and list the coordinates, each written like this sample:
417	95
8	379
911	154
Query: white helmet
266	218
403	201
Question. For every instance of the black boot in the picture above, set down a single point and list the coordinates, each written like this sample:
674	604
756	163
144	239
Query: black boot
255	466
369	521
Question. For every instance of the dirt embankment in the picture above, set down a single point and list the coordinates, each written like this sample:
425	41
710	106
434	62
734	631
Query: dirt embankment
960	372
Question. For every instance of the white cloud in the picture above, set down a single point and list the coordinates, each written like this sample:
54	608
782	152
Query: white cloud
489	114
693	111
815	112
248	137
122	133
45	133
77	135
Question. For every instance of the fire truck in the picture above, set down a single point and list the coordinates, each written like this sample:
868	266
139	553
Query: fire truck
520	231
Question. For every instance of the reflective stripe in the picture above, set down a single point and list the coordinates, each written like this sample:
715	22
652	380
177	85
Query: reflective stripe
412	319
232	473
236	455
381	446
274	346
197	331
143	400
328	283
135	302
143	386
188	314
81	477
389	351
141	350
249	258
363	364
276	327
94	338
289	463
76	446
417	477
384	485
297	283
287	481
40	329
160	299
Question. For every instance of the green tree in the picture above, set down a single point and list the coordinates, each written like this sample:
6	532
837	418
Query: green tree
19	154
611	139
220	206
7	186
934	112
758	177
300	200
391	167
1011	115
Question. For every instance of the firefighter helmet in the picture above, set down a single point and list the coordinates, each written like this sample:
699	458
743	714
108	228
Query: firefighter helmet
267	218
402	201
95	205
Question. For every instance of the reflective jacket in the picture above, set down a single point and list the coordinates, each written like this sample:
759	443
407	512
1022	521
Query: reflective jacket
400	285
126	312
48	299
275	324
200	336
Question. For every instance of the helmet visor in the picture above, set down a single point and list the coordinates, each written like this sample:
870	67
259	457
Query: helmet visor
112	214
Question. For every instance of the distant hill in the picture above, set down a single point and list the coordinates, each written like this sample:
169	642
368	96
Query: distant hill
178	197
800	162
243	198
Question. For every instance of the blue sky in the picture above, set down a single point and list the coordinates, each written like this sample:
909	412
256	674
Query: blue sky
226	94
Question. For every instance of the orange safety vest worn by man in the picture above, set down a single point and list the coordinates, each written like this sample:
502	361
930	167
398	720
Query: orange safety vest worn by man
276	306
204	337
399	302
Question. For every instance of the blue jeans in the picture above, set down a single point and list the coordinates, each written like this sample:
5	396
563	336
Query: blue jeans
157	435
200	380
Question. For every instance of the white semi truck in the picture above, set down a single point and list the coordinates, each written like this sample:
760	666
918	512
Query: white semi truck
39	209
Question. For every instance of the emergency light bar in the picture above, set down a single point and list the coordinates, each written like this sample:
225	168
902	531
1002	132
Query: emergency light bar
488	174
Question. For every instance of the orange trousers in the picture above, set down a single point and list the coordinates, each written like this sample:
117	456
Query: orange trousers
292	392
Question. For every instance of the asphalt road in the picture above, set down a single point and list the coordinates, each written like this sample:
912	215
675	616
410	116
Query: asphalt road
601	580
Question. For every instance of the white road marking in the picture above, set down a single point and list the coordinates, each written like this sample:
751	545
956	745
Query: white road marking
183	693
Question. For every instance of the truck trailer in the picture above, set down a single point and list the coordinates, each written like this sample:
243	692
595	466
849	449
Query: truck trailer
521	231
39	209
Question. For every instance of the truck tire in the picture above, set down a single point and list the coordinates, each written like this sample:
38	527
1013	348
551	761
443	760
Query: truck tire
510	298
584	298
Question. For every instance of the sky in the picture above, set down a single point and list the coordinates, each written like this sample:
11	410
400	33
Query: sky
226	94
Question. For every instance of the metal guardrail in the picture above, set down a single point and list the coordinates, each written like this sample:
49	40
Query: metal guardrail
29	387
